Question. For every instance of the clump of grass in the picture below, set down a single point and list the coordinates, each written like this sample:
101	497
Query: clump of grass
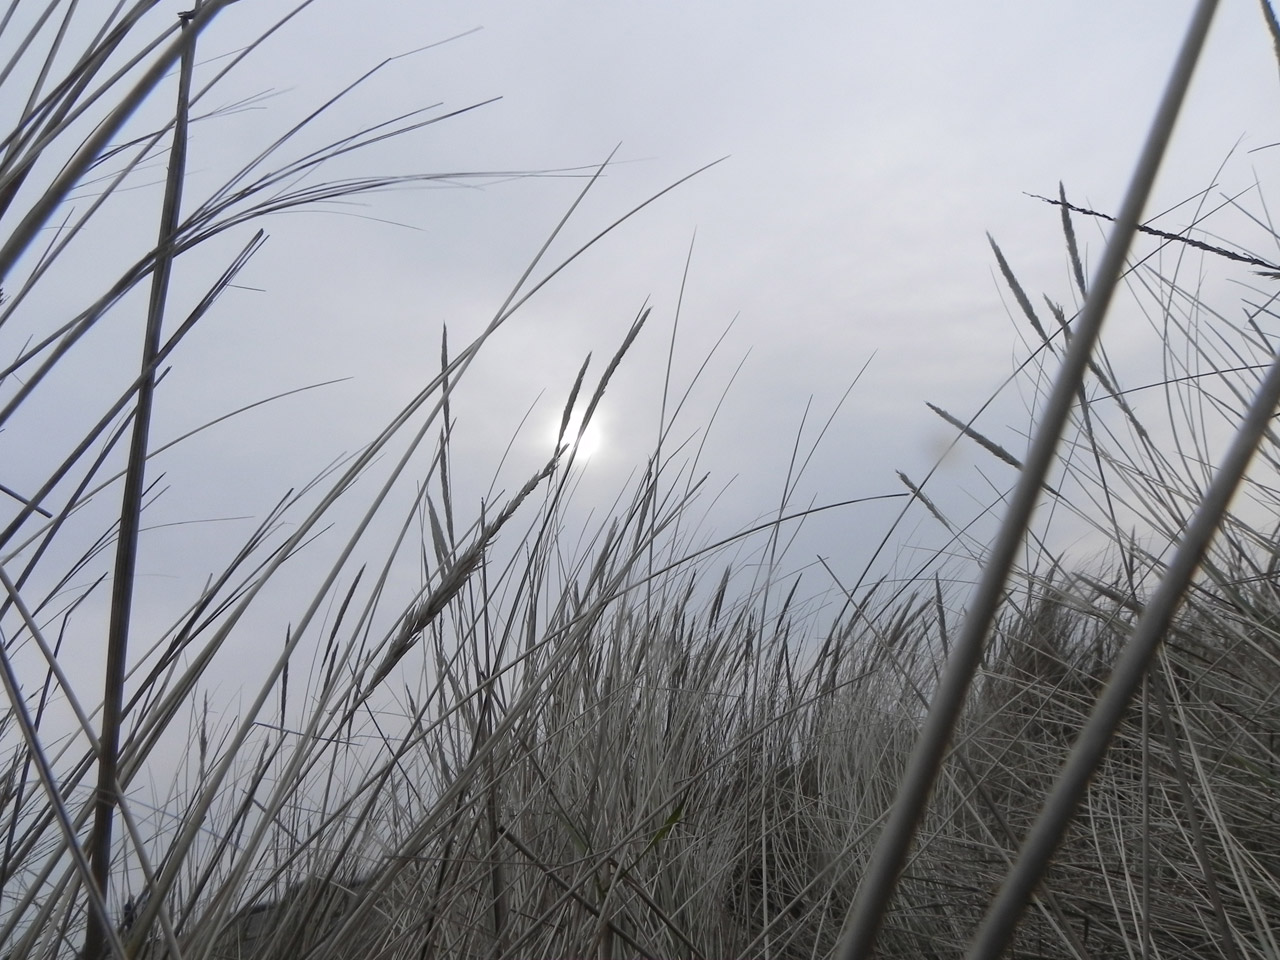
631	748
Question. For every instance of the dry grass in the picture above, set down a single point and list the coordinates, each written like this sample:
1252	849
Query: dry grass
632	748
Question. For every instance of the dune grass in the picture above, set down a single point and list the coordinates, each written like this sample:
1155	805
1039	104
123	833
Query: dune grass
626	742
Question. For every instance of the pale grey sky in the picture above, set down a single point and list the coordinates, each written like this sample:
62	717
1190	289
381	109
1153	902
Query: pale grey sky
870	148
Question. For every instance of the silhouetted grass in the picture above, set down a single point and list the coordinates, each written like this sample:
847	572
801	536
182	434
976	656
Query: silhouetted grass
624	745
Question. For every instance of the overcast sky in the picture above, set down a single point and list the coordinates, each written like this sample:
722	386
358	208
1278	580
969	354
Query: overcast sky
869	149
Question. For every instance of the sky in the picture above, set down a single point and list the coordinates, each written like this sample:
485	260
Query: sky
869	151
840	245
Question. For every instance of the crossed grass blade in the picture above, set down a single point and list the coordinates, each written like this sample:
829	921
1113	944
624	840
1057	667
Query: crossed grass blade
16	243
877	887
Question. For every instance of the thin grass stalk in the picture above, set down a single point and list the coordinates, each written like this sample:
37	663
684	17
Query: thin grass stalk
1227	941
217	776
23	45
51	53
557	667
17	242
75	498
202	223
148	871
205	304
53	110
16	797
71	98
1145	847
187	833
877	886
131	508
1047	897
997	927
57	808
570	891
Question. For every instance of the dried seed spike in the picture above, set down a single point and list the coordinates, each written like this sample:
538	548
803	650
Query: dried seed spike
989	445
1273	25
1269	269
928	504
1072	250
1018	292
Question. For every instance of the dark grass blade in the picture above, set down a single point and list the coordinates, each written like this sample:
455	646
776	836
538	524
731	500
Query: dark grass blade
107	796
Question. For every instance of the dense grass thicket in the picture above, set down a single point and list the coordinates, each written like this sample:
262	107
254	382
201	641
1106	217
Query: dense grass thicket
617	744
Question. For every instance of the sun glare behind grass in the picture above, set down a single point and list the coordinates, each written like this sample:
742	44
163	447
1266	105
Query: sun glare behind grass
585	442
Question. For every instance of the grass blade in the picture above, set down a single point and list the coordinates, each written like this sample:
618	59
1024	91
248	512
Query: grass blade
878	884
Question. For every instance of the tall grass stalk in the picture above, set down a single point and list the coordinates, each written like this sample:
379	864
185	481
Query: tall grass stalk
131	508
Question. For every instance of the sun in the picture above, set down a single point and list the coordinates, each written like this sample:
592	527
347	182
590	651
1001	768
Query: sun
592	439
